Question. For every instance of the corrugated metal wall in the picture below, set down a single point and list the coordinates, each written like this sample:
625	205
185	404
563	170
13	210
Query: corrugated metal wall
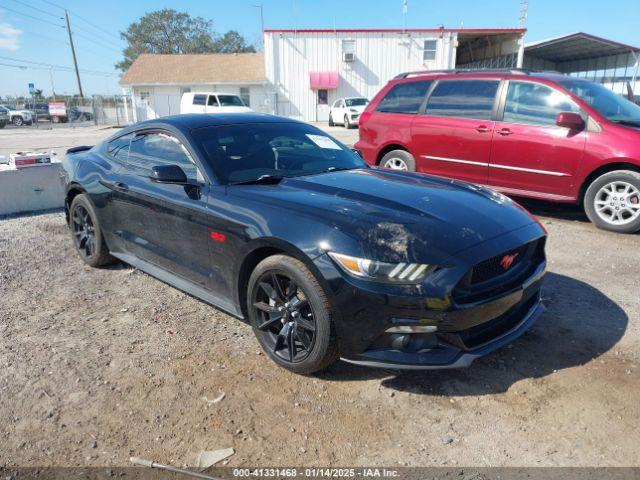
379	56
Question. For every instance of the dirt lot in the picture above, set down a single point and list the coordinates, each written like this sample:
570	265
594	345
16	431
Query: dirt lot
97	365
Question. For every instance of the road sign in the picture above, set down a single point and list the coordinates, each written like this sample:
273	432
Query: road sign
32	88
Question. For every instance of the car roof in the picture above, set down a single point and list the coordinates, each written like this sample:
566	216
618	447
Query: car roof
513	74
213	93
190	121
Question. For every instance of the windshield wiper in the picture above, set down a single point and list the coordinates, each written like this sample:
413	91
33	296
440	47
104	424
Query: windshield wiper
262	179
631	123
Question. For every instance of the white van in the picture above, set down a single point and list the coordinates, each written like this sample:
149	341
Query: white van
209	102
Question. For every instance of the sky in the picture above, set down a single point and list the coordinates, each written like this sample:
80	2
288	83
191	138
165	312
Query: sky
32	33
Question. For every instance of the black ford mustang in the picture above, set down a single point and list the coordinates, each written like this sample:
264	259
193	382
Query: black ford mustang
273	220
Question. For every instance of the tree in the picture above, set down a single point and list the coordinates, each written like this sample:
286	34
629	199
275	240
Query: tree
170	31
232	42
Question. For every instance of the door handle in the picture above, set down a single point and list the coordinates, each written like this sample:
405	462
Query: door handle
121	187
505	132
482	128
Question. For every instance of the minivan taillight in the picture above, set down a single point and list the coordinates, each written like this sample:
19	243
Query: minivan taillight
363	118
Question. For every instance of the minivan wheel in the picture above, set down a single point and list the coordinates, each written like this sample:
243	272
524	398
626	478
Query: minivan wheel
399	160
290	315
612	201
87	234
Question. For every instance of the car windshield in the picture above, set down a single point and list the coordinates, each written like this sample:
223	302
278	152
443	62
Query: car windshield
249	152
608	104
230	101
356	102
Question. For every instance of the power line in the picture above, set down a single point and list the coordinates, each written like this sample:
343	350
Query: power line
57	69
37	9
32	17
44	64
110	34
97	43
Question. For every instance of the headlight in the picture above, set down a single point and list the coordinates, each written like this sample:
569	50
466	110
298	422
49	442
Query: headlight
401	273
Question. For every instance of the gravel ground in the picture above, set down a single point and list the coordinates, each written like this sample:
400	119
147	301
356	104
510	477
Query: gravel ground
97	365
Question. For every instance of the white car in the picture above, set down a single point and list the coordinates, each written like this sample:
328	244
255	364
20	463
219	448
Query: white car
18	117
346	111
212	102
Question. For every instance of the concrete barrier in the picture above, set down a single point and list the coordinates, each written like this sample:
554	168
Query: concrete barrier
30	189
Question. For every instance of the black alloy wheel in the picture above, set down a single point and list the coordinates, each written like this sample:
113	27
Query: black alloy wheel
84	233
285	316
291	315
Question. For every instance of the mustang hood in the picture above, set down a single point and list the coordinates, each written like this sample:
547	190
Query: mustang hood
395	215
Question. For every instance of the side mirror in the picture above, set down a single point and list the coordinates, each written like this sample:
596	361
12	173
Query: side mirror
168	174
570	120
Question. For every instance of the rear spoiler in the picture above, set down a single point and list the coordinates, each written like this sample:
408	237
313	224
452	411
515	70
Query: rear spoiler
80	148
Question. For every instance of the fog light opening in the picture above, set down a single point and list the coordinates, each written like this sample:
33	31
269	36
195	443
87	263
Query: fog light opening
412	329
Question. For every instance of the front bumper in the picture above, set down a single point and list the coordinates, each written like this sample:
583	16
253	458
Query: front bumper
452	330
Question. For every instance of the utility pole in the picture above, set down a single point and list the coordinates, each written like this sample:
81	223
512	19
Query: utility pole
261	26
73	52
53	89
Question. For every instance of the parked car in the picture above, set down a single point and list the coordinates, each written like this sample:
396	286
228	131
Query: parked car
4	117
347	111
40	111
524	133
212	102
77	115
18	117
275	221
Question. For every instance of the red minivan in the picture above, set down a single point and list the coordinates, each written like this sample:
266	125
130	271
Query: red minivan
523	133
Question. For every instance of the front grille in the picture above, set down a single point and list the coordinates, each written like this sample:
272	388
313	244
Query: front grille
489	277
492	268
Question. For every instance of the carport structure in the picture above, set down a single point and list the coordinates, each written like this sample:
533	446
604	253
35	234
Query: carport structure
583	55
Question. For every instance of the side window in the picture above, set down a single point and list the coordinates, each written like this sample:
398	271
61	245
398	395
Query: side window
463	98
535	104
404	98
245	95
336	104
119	147
154	149
213	101
199	99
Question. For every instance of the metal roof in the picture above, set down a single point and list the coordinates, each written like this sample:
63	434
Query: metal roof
487	31
576	46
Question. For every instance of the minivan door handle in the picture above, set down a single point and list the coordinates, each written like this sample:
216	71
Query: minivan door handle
121	187
504	132
482	128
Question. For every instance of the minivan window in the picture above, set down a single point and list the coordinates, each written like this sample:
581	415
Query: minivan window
119	147
608	104
155	149
230	101
199	99
404	97
535	104
463	98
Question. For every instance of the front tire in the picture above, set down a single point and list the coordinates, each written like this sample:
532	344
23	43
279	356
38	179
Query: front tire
612	201
291	315
399	160
347	124
87	233
17	121
331	124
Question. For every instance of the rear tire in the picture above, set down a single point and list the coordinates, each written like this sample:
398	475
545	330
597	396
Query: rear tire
291	315
398	160
612	201
87	233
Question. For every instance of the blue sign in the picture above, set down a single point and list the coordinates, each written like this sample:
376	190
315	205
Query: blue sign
32	88
32	85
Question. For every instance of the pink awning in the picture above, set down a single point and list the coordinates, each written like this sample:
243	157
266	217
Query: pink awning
323	80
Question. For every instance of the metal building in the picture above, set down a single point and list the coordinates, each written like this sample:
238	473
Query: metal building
307	70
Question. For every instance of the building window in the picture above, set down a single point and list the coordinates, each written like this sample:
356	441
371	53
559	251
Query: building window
144	95
245	96
429	52
348	50
323	97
